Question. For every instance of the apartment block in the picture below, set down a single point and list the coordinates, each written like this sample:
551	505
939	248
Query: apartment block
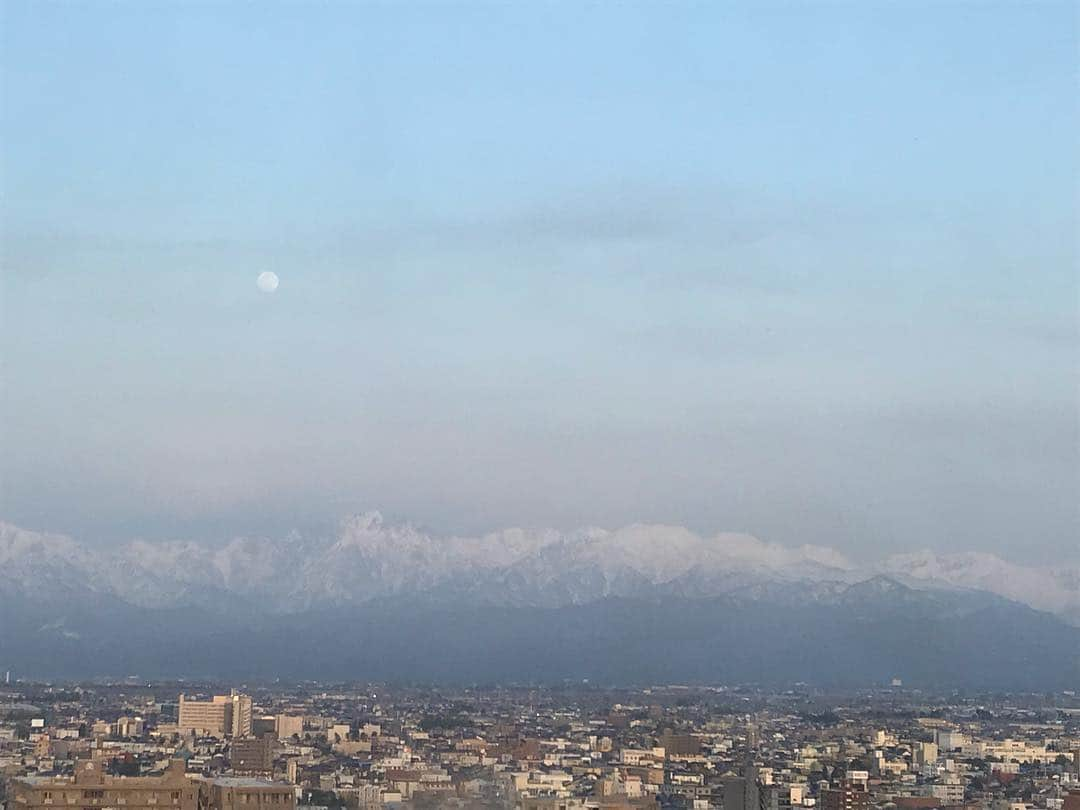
91	788
221	716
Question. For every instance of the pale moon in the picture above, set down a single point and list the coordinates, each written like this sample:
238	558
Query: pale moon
267	281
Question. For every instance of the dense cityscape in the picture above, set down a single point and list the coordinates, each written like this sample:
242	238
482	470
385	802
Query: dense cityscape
508	405
202	746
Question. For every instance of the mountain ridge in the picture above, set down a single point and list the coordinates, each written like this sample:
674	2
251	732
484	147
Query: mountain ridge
630	605
930	640
367	558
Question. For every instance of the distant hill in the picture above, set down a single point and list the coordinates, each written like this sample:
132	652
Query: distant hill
640	604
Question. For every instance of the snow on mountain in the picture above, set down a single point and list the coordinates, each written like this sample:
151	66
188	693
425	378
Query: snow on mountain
32	563
17	546
1055	590
367	558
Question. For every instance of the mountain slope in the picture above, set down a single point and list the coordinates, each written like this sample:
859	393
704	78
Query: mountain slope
1053	589
368	559
629	604
857	636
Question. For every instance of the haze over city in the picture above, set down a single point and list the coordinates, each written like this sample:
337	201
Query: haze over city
807	273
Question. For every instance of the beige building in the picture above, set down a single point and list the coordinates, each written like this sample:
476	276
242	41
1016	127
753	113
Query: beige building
283	726
288	725
91	788
221	716
237	793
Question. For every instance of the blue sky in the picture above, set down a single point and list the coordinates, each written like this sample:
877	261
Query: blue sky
803	270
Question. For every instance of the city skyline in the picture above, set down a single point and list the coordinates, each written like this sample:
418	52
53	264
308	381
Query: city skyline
570	746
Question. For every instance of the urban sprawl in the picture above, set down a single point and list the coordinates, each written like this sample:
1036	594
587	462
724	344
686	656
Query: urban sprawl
192	746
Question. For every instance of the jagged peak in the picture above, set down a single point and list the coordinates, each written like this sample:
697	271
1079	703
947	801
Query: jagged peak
368	557
369	521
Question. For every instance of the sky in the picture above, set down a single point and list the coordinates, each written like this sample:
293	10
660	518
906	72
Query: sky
805	270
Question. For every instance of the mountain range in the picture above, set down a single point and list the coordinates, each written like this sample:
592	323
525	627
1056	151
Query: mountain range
375	599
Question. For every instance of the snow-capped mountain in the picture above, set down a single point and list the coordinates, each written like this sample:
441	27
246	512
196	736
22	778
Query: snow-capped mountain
388	601
368	559
1055	590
